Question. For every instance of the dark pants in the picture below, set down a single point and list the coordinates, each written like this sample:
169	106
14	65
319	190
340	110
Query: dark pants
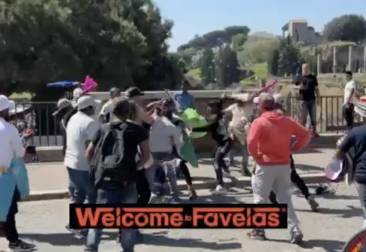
143	188
112	194
183	167
185	170
348	114
219	160
9	226
308	108
297	180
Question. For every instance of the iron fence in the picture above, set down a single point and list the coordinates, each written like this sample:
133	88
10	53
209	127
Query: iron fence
38	115
329	113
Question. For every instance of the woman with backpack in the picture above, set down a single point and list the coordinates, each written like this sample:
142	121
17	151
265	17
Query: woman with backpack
113	153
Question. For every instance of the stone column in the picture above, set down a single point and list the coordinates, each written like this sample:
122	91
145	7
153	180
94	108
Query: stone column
334	59
350	58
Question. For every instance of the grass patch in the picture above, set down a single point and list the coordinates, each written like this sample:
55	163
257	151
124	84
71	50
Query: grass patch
260	70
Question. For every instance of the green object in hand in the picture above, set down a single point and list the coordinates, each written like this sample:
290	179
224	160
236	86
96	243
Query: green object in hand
194	120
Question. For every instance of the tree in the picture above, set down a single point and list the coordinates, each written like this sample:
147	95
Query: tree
118	42
215	38
227	67
289	58
238	41
274	62
207	66
346	28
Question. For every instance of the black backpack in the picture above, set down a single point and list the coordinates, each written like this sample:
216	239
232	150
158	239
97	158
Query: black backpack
107	164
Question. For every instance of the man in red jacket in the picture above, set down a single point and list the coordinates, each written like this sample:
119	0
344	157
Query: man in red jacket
271	140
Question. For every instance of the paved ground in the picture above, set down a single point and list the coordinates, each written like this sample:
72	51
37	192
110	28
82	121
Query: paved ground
43	223
53	176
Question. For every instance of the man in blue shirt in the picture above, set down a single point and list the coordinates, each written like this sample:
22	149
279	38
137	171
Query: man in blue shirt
184	99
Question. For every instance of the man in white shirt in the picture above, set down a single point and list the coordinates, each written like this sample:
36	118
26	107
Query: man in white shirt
11	147
348	103
80	131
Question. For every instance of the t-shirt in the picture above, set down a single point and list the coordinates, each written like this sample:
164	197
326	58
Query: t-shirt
356	138
308	85
184	100
11	144
80	130
107	111
164	135
348	89
239	116
134	135
217	128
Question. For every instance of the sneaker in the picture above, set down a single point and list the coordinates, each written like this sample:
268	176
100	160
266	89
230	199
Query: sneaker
21	246
296	237
175	199
78	234
219	190
192	195
257	234
246	173
313	204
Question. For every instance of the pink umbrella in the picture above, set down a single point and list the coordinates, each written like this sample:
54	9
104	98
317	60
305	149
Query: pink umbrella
90	85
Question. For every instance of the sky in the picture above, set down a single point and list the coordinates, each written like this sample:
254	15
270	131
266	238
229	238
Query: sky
197	17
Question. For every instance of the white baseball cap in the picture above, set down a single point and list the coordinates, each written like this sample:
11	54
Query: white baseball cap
85	101
4	103
61	105
77	93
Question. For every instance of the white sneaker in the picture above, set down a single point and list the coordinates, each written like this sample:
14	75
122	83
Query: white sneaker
219	190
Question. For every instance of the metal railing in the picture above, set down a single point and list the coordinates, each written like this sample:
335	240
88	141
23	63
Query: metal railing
47	130
329	113
38	117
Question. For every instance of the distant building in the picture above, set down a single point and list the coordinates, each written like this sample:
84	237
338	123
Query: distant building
299	31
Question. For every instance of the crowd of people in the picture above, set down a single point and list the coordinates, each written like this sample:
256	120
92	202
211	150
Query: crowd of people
130	152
